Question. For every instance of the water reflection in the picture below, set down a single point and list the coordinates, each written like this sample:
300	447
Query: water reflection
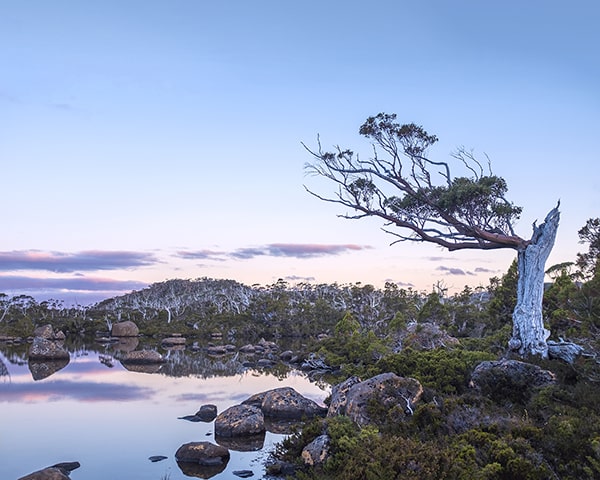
201	471
142	368
43	369
112	419
249	443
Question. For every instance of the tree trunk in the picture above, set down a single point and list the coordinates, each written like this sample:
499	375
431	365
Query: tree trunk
529	335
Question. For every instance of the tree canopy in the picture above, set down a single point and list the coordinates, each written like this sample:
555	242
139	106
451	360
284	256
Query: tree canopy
400	184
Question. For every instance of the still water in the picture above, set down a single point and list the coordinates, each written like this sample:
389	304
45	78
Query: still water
111	420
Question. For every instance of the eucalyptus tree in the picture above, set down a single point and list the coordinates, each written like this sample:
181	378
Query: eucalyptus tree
420	200
589	262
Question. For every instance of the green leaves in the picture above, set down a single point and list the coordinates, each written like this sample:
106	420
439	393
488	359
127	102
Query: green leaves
413	138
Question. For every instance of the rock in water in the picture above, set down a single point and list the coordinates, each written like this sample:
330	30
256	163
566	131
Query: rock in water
240	420
60	471
125	329
285	403
202	453
143	357
44	349
207	413
157	458
243	473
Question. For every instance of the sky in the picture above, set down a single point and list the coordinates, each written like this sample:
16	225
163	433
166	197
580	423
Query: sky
146	140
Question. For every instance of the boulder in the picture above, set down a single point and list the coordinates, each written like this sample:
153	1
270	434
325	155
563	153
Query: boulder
49	473
60	471
285	403
339	392
317	451
240	420
426	336
207	413
60	336
44	331
125	329
202	453
266	345
216	350
44	349
286	356
142	357
173	341
387	389
509	380
243	473
247	349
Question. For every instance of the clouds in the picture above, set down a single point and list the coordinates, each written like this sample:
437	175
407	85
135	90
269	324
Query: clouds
78	283
289	250
460	271
83	275
70	390
66	274
60	262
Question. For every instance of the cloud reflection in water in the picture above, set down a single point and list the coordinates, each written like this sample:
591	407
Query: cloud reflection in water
68	390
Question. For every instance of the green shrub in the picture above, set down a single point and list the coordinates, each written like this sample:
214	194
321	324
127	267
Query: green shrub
445	371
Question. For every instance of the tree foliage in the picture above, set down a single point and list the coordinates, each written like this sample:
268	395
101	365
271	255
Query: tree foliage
403	186
589	262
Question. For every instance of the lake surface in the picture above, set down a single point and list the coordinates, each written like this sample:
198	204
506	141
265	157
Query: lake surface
111	419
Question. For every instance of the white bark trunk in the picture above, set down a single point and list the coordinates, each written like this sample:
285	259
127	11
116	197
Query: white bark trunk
529	334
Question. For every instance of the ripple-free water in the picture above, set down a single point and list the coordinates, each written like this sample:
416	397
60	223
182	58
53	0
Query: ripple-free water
112	420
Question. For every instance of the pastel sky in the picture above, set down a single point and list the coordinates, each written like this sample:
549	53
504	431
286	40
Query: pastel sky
144	140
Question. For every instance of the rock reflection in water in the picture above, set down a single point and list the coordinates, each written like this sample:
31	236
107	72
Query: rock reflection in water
43	369
126	344
201	471
142	367
281	427
250	443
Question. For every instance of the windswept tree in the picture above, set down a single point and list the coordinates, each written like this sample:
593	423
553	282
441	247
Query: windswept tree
420	200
